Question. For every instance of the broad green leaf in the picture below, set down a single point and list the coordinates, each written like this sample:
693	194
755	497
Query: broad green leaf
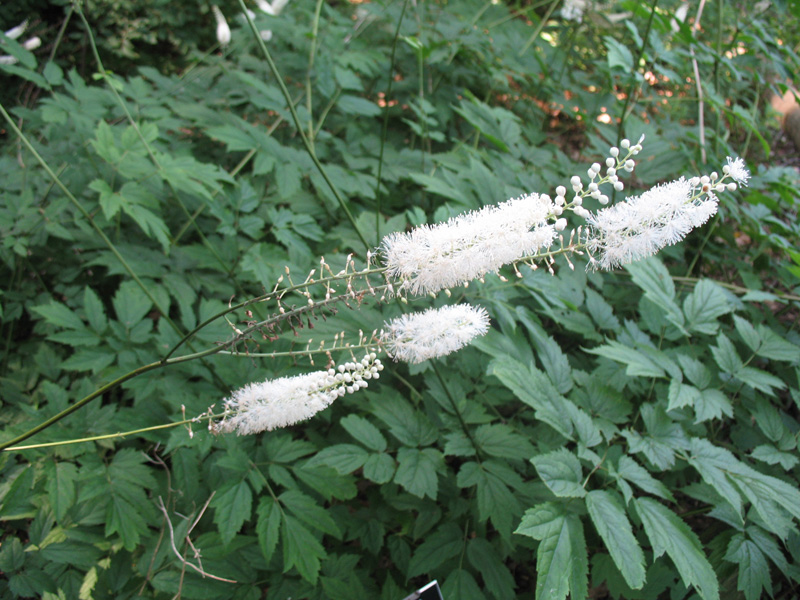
668	533
447	541
712	404
60	485
310	512
301	549
345	458
496	576
629	470
601	312
561	471
59	315
748	333
89	359
327	482
268	526
760	380
95	312
461	584
495	500
380	467
652	277
618	54
232	507
637	364
561	546
130	304
775	347
664	436
695	370
725	355
681	394
772	456
408	425
364	432
614	528
501	441
754	575
417	471
354	105
124	518
704	306
554	361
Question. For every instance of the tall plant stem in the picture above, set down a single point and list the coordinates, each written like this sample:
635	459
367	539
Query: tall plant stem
385	128
637	59
296	119
311	53
539	27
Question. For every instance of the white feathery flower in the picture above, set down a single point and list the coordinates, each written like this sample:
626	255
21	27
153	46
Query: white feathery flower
434	257
281	402
737	170
17	31
32	44
642	225
436	332
223	30
572	10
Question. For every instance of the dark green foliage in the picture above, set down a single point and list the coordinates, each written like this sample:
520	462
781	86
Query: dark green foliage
615	435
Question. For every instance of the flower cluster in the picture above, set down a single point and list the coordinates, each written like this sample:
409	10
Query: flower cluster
272	404
421	336
642	225
431	258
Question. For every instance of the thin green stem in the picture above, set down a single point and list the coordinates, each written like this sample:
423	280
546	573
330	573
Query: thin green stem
118	435
634	84
298	126
539	27
311	52
23	138
385	128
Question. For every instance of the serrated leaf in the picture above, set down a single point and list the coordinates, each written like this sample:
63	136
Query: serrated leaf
233	506
775	347
95	312
712	404
681	394
365	432
561	544
496	576
268	527
614	528
126	520
380	468
301	550
417	471
668	533
760	380
354	105
772	456
501	441
310	512
753	568
747	332
629	470
725	355
561	471
59	315
636	363
654	279
89	359
447	541
618	54
704	306
131	304
345	458
600	311
327	482
61	487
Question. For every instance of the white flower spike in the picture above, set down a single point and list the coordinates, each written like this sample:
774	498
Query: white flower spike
737	170
417	337
281	402
223	30
431	258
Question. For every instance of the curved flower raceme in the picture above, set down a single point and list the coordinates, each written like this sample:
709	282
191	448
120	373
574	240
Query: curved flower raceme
642	225
436	332
281	402
431	258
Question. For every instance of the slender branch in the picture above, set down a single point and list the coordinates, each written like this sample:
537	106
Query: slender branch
299	127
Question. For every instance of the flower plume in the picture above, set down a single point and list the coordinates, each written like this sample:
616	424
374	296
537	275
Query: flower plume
431	258
436	332
281	402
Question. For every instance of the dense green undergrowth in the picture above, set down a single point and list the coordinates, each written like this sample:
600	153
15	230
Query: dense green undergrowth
615	435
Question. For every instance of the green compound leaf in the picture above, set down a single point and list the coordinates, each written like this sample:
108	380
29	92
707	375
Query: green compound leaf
364	432
345	458
561	472
416	471
301	549
614	528
561	544
753	568
668	533
232	508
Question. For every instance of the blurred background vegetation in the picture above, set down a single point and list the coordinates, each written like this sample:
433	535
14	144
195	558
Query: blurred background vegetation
183	155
